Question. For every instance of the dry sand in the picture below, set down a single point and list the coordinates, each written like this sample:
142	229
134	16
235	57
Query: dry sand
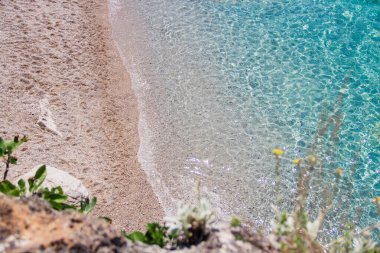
59	55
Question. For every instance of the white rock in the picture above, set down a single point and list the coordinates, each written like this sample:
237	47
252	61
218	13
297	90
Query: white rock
72	187
45	120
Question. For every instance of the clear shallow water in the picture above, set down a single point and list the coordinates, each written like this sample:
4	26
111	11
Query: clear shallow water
220	83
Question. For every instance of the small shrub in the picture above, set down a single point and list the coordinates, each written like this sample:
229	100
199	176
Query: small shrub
294	232
54	196
155	235
86	206
9	189
235	222
189	227
192	224
36	181
7	148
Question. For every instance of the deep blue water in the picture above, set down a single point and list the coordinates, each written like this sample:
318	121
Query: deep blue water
220	83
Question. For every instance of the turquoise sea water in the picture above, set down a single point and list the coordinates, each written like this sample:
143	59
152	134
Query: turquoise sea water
221	83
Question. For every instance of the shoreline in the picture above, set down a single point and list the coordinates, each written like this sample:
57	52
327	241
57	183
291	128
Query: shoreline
129	33
63	52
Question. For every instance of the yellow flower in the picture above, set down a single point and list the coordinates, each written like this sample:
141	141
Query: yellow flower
377	200
339	172
312	160
277	152
297	161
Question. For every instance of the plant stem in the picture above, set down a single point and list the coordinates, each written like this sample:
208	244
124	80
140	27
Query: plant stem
278	182
7	166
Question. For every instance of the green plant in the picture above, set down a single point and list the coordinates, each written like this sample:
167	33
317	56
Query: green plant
36	181
294	232
189	227
235	222
7	148
155	235
54	196
355	241
9	189
192	224
87	205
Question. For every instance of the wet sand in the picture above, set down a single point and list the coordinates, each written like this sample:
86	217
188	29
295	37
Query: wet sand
60	56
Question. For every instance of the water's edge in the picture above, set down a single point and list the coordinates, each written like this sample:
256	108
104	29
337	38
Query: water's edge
145	152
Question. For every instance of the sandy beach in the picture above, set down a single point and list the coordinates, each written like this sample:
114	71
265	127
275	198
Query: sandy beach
59	56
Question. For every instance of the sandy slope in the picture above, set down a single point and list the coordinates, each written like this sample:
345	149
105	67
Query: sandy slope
59	54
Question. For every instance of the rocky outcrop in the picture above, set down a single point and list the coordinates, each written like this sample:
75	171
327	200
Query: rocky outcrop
30	225
72	187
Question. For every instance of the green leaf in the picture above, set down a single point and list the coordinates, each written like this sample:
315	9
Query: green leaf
54	190
57	198
38	179
173	235
55	195
235	222
12	160
2	147
61	206
23	139
87	206
41	173
107	219
57	189
21	185
11	146
155	234
31	184
136	236
9	189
